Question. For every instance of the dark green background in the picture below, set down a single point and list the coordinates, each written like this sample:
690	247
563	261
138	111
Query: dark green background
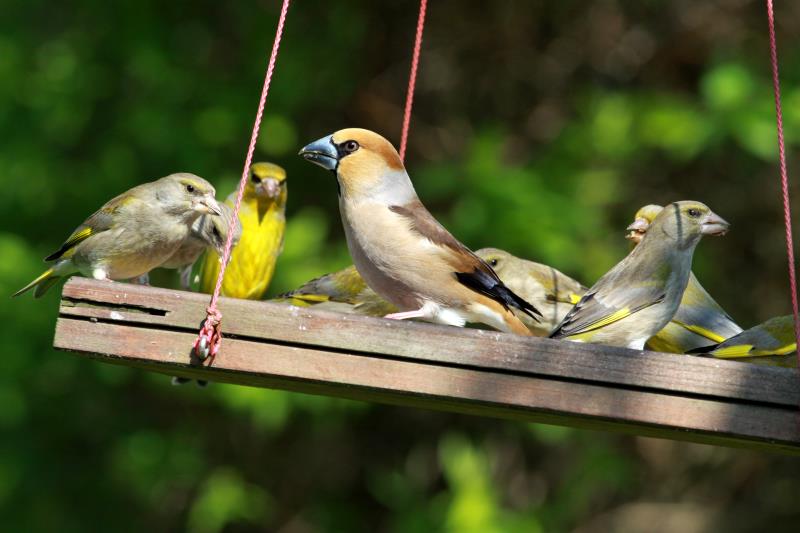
539	127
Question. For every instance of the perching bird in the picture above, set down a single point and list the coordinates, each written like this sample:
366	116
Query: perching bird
699	321
775	337
399	249
209	232
343	291
263	220
640	295
550	291
133	232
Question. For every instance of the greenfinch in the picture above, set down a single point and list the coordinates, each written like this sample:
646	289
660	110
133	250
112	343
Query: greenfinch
640	295
548	290
263	218
209	232
772	342
344	291
700	321
132	233
400	249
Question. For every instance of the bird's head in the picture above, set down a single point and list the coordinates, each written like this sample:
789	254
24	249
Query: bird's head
267	181
364	163
686	222
641	221
187	194
495	258
213	230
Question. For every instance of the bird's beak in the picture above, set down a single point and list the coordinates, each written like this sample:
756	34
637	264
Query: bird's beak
715	225
637	229
323	153
268	187
208	204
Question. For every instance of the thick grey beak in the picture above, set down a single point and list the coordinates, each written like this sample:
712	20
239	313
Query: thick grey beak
639	224
715	225
322	152
637	229
209	205
269	187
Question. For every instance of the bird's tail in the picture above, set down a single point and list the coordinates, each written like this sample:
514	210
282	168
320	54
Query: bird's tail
42	283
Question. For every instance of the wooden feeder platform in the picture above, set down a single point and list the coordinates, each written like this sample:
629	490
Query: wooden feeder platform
471	371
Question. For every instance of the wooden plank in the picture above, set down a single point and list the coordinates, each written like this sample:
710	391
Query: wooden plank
466	348
373	377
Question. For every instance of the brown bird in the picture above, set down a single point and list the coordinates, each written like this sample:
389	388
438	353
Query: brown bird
400	249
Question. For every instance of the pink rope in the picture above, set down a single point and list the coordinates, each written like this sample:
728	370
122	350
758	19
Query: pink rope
209	339
412	79
787	211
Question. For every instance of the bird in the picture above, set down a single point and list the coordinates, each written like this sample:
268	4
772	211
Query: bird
769	342
207	232
132	233
700	320
403	253
263	219
639	296
547	289
343	291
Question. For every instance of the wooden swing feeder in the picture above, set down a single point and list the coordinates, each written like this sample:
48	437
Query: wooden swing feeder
470	371
438	367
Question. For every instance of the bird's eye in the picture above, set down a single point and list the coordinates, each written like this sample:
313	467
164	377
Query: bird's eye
189	188
493	262
254	178
350	146
694	213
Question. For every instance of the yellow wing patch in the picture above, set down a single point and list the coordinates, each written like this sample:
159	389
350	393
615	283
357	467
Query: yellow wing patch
574	298
738	350
68	248
609	319
703	332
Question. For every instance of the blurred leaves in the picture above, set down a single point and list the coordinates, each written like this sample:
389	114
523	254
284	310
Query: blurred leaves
538	127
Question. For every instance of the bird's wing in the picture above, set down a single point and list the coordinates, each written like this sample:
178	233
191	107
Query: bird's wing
99	221
469	269
342	286
612	299
700	314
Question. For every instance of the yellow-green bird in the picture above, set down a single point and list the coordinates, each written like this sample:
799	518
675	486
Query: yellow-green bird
132	233
640	295
699	321
772	342
344	291
263	219
548	290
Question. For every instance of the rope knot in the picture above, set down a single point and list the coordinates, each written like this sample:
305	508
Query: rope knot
210	337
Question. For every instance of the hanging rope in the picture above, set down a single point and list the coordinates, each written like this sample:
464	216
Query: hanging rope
210	337
787	210
412	79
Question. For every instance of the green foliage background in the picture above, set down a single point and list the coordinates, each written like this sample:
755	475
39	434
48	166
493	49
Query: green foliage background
539	127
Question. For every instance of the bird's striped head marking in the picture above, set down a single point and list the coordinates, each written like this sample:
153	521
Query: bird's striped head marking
362	160
685	222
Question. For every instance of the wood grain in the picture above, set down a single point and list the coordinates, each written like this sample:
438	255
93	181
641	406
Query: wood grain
423	365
